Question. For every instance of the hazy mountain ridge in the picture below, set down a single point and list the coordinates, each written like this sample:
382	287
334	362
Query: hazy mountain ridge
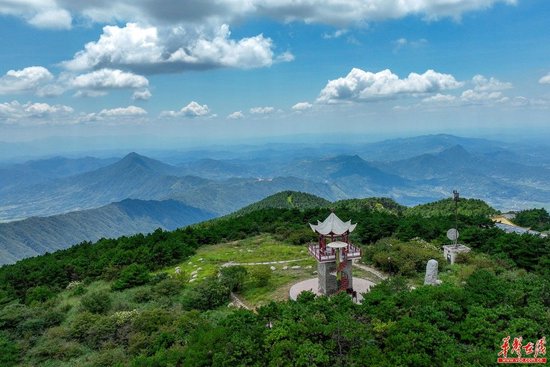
45	170
476	167
38	235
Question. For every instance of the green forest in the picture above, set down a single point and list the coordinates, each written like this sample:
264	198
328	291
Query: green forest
118	302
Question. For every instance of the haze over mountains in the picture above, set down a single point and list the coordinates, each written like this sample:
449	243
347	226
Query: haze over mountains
197	185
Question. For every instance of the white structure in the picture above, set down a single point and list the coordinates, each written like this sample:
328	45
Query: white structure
451	251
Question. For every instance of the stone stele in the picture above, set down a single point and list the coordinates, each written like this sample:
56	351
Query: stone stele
431	273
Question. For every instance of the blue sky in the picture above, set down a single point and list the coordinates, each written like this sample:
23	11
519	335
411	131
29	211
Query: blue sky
228	69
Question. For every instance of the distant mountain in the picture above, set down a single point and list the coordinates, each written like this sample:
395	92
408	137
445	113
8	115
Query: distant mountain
505	175
403	148
38	235
456	160
139	177
220	169
224	197
40	171
500	182
287	200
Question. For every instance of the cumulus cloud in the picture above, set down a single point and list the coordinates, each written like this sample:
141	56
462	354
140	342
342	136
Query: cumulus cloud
142	95
471	96
123	111
482	84
237	115
193	109
117	115
360	85
31	79
177	49
302	106
262	110
15	112
109	79
545	79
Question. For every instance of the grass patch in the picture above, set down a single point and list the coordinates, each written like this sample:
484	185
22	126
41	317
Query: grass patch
264	248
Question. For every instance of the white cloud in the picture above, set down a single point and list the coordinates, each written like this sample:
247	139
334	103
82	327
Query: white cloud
403	42
90	93
109	79
482	84
15	112
302	106
142	95
149	50
52	19
286	56
235	115
39	13
262	110
26	80
439	98
545	79
339	12
123	111
58	13
471	96
116	115
336	34
361	85
193	109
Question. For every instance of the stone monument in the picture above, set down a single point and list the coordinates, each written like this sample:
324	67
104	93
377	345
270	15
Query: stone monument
431	273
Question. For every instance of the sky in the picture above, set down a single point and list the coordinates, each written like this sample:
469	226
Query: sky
224	70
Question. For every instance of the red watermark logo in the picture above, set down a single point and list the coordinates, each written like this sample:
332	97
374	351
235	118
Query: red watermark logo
520	353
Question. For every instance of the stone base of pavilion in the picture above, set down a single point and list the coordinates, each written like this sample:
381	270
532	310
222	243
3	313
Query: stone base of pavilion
359	285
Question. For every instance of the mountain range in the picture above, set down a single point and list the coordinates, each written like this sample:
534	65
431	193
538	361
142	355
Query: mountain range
222	180
37	235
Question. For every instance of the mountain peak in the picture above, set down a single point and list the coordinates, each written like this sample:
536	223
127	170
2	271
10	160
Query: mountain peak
454	152
133	156
133	160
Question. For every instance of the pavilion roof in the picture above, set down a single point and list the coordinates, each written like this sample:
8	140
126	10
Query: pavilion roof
332	225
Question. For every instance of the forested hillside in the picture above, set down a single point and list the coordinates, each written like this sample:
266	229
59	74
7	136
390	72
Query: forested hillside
38	235
119	302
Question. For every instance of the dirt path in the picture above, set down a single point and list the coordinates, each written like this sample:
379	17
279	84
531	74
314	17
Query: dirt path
232	263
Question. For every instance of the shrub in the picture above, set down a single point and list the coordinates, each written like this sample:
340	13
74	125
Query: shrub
233	277
38	295
96	302
168	287
143	295
262	274
206	295
131	276
9	353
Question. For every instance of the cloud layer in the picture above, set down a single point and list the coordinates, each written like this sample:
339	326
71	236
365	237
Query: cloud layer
60	13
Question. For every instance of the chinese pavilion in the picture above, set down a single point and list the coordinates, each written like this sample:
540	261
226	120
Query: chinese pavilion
334	254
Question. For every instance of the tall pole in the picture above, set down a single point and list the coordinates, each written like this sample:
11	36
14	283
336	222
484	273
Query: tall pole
456	197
